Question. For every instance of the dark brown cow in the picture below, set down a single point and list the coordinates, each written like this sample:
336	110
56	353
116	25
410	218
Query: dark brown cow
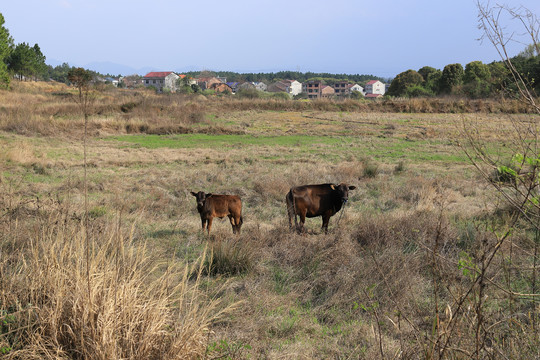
211	206
316	200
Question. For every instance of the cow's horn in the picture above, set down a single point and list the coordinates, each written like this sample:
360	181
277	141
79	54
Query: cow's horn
333	186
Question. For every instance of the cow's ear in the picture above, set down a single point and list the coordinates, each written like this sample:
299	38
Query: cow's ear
208	195
192	193
333	187
352	187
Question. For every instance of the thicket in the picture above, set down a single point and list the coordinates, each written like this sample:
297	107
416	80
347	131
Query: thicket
476	81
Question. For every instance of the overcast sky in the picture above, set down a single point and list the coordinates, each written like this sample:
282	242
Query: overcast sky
381	38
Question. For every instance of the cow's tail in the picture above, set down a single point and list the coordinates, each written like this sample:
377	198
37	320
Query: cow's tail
291	211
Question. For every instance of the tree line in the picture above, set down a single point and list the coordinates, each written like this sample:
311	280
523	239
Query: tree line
21	60
476	80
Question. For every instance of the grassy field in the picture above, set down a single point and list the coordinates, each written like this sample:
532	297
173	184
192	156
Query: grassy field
140	279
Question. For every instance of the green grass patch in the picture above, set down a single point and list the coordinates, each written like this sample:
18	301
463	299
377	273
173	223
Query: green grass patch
222	141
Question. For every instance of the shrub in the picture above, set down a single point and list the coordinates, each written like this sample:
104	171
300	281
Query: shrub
370	170
249	94
231	257
281	95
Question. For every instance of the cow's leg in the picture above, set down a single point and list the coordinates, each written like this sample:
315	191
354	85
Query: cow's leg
291	212
238	220
232	220
203	223
325	221
300	227
209	224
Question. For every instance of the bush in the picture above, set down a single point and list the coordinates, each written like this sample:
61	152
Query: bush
281	95
249	94
231	257
418	91
370	170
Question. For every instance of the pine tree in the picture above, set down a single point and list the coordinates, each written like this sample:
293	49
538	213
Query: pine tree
6	46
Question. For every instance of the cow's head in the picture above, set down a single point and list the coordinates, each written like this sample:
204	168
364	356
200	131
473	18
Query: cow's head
342	190
201	198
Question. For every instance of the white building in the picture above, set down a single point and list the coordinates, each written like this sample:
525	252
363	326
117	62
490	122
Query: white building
358	88
291	87
375	87
161	80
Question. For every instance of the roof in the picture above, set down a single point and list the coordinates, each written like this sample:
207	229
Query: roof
158	74
373	95
371	82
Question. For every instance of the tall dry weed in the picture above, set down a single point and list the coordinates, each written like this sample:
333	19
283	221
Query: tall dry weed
133	308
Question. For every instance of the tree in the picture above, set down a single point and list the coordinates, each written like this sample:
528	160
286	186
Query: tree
426	71
530	51
20	61
81	79
404	80
26	61
6	45
452	76
477	79
38	62
355	94
59	73
184	84
499	77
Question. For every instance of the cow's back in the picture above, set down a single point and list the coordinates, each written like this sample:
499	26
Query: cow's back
223	205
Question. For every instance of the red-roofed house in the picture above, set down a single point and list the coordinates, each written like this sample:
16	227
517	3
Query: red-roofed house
375	87
207	82
161	80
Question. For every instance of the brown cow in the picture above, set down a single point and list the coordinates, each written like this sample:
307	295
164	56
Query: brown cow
316	200
211	206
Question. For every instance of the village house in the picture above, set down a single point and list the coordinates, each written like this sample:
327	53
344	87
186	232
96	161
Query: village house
221	88
291	87
161	80
259	85
246	86
313	89
375	87
327	91
207	82
233	86
356	87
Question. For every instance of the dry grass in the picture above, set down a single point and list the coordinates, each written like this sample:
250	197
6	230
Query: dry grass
118	303
366	290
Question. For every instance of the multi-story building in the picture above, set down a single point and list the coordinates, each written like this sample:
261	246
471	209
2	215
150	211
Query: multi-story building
342	88
313	89
161	80
375	87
